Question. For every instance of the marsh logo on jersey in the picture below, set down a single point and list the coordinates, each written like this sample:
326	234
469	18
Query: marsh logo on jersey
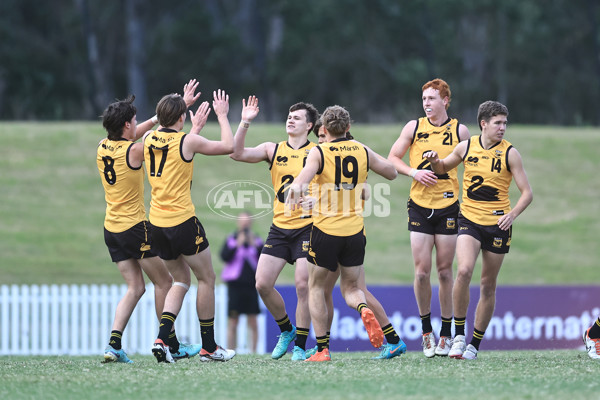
281	161
497	242
450	223
423	136
472	160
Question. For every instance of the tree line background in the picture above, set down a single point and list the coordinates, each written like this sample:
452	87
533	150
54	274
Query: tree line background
67	59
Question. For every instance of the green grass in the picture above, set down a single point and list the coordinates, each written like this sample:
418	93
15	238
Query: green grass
52	205
496	375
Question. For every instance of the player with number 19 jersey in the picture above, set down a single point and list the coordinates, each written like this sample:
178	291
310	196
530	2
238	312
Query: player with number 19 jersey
170	176
123	186
286	164
339	208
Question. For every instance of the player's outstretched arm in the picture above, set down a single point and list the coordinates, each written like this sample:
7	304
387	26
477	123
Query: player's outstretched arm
399	149
442	166
381	165
198	144
300	184
262	152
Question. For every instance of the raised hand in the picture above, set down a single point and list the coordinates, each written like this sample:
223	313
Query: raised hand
199	118
188	92
250	110
221	103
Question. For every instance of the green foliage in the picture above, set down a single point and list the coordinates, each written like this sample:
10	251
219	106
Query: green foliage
52	207
62	61
495	375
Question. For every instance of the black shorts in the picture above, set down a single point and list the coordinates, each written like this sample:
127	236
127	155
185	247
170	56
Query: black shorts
289	244
187	238
327	250
242	300
491	237
132	243
432	221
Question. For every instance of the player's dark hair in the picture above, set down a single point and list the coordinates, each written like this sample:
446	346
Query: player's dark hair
490	109
312	115
116	115
169	109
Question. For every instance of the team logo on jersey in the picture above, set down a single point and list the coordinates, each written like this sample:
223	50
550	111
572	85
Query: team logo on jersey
268	246
499	153
448	195
497	242
199	239
450	223
311	253
498	212
305	245
145	247
414	223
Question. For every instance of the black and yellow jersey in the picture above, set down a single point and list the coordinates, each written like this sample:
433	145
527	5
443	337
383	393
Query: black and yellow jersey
123	186
285	166
170	177
338	186
441	139
486	182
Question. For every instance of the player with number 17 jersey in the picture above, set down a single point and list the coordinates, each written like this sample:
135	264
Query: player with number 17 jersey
170	176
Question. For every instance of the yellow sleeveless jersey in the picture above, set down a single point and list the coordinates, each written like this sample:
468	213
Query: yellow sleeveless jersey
286	165
123	186
339	184
170	177
442	139
486	182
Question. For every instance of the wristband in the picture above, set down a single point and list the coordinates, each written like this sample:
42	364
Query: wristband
154	119
245	124
413	172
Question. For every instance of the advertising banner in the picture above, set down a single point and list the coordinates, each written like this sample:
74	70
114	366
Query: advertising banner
526	317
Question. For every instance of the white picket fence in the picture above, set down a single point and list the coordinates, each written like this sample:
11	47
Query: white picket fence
77	320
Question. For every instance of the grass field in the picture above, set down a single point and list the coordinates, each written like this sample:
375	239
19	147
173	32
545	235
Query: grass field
52	205
496	375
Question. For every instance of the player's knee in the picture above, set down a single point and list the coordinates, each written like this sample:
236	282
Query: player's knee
263	287
488	288
422	276
137	290
445	275
464	275
302	289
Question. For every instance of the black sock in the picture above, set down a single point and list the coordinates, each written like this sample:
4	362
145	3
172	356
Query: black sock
446	327
459	326
301	336
426	324
173	342
390	334
284	324
322	343
207	333
115	339
360	307
595	330
477	336
167	320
